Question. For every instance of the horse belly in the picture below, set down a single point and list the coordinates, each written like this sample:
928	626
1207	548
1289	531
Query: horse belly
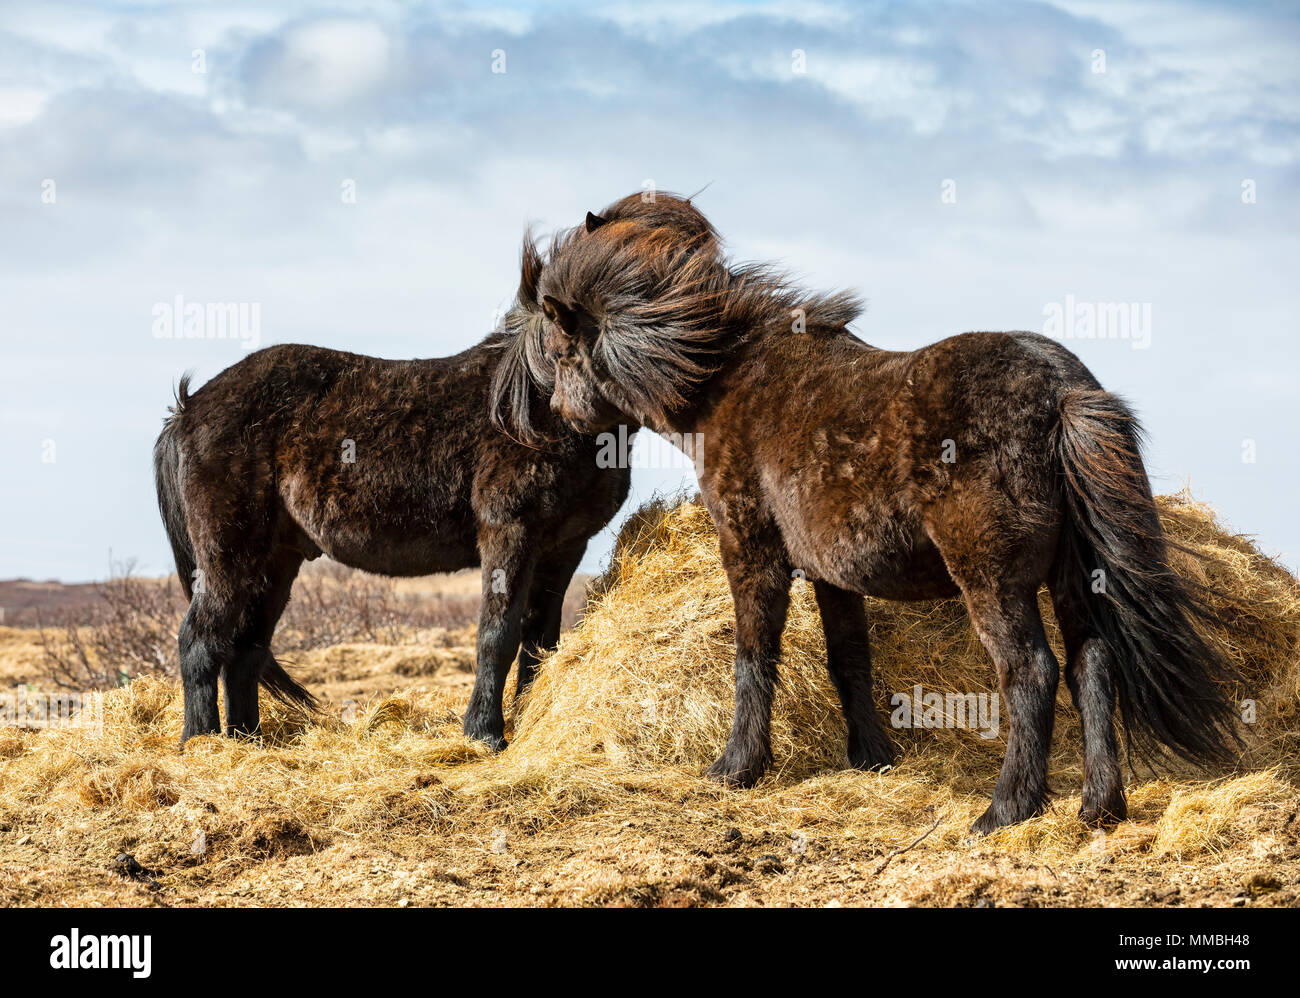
404	552
881	555
917	574
398	530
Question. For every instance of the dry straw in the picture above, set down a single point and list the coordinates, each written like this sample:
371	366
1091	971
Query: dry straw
620	724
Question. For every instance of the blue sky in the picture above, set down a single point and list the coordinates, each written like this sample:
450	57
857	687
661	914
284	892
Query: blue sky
1100	154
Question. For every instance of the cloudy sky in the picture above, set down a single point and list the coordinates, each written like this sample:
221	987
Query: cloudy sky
363	175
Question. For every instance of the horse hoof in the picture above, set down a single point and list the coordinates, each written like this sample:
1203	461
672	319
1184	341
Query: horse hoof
872	758
1103	815
990	821
731	775
995	818
493	741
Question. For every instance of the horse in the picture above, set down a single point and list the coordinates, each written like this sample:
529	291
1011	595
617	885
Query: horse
393	467
982	466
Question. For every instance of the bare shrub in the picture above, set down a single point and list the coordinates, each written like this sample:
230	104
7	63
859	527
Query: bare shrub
129	631
333	604
130	627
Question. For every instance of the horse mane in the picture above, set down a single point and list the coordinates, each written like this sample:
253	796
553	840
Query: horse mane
523	376
668	314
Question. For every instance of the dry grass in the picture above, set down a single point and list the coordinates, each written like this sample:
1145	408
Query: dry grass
599	799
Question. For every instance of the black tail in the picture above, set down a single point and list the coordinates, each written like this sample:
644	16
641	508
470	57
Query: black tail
166	473
1170	682
283	686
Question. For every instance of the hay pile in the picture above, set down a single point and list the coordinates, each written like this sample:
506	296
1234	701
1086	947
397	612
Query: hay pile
615	734
648	680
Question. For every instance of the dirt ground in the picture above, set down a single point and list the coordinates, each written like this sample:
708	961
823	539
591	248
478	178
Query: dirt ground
688	843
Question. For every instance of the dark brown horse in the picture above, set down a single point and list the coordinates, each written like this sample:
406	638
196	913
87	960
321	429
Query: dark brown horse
984	465
394	467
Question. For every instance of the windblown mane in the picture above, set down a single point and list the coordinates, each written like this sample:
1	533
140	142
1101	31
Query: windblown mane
668	314
523	379
522	375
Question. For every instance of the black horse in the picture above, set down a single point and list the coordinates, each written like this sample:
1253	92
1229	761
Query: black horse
394	467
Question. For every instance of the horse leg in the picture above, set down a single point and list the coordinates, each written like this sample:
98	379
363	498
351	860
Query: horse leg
239	680
760	590
848	659
253	645
1089	674
214	646
508	562
1012	631
231	523
540	630
202	651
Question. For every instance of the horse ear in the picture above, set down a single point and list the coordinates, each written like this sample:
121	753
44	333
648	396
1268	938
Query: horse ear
594	222
562	315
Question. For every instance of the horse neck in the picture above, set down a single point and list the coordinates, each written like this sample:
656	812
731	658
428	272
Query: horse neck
691	419
740	345
754	348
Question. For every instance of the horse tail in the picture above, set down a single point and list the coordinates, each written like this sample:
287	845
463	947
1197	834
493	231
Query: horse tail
166	476
166	469
1114	566
276	681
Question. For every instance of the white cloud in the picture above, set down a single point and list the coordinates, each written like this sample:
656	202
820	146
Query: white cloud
20	105
325	62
